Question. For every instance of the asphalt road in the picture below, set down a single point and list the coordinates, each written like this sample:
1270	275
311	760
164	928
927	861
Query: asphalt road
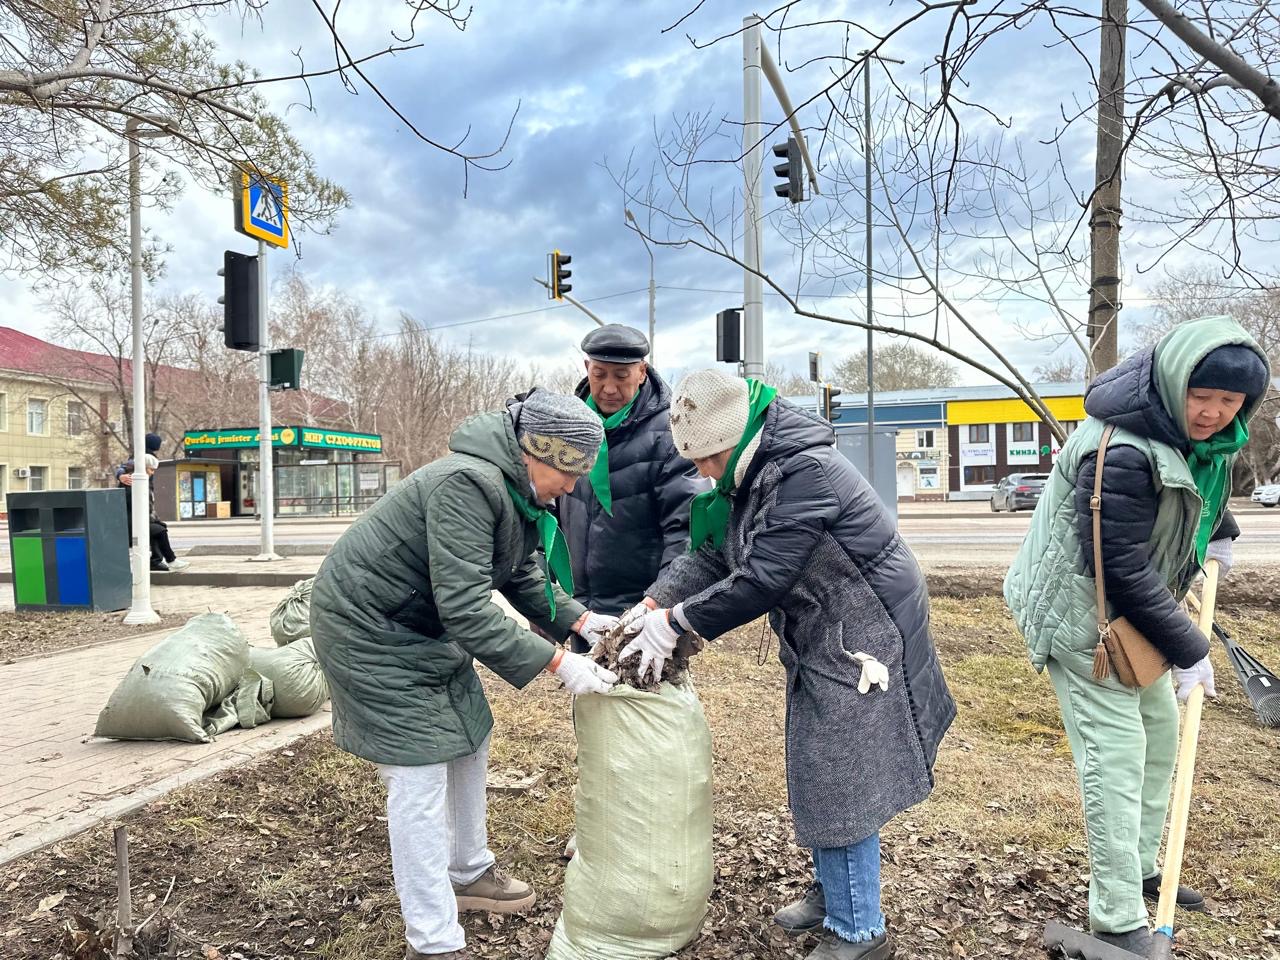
950	534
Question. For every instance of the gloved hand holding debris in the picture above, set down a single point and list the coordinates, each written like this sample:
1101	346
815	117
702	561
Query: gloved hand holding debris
631	622
655	642
593	626
874	673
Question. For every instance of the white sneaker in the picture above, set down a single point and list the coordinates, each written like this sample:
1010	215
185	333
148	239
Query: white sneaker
179	564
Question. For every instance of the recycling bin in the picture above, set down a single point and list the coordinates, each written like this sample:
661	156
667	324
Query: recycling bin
70	550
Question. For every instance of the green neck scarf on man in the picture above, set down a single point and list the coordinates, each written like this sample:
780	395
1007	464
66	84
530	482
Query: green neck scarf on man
553	543
600	469
1209	461
709	512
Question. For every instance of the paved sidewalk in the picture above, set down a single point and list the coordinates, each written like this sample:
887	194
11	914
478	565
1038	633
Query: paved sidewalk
56	780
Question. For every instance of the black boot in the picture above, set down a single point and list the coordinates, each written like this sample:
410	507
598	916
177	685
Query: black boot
805	914
1137	942
833	948
1188	899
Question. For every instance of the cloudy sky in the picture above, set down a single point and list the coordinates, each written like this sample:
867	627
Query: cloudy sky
592	82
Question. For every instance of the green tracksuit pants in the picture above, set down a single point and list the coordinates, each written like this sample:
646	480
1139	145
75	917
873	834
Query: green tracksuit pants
1125	744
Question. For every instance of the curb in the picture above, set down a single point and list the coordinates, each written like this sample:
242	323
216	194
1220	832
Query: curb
253	579
252	550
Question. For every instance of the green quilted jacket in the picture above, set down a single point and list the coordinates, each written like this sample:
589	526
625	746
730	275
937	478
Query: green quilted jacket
403	604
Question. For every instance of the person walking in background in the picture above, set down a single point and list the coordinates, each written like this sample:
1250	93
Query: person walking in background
791	529
401	606
630	518
1173	419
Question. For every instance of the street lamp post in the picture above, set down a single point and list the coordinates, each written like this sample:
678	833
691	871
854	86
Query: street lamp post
653	293
140	610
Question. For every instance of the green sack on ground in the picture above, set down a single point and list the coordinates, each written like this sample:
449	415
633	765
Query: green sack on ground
248	706
294	672
169	689
639	884
291	619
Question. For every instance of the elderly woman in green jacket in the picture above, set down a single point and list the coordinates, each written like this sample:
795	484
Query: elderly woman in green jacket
1179	415
404	603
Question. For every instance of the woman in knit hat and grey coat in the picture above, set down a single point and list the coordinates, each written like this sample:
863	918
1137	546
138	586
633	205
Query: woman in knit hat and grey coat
791	529
402	605
1179	415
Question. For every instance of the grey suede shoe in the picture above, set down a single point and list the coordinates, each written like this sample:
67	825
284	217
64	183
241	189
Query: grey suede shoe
833	948
1137	942
805	914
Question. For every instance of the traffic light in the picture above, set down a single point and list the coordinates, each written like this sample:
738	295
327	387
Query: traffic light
828	405
285	368
240	298
791	171
729	336
559	275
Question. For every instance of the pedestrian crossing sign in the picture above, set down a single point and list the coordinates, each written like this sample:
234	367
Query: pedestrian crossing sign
262	208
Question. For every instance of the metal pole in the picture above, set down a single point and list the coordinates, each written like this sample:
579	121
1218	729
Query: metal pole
752	161
568	299
140	605
653	302
871	390
266	486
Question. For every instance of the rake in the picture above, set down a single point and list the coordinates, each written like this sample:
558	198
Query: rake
1261	686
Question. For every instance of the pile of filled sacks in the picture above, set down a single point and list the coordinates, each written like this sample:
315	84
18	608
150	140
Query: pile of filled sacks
206	679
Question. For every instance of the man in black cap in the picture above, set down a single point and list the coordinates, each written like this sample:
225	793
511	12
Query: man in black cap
630	517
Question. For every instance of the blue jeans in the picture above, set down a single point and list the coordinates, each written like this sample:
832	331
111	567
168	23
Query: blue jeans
850	878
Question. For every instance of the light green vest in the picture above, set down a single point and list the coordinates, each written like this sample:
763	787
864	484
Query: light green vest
1052	600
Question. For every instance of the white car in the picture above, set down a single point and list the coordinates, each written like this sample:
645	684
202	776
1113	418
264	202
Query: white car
1268	495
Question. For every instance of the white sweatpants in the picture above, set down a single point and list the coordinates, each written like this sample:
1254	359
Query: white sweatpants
436	819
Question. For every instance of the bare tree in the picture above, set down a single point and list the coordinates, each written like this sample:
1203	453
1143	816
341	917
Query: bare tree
788	381
72	73
898	366
1068	370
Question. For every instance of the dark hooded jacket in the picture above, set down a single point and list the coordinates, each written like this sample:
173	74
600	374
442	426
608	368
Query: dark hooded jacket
616	557
810	543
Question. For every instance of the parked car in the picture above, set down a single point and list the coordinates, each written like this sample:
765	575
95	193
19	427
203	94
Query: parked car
1018	491
1267	494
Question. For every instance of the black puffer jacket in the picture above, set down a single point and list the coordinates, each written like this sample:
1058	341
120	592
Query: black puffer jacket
810	544
1127	396
616	557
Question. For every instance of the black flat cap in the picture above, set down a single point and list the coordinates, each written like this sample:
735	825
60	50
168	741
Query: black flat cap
614	343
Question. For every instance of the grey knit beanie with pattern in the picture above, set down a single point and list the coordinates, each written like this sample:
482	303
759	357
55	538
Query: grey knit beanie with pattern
560	431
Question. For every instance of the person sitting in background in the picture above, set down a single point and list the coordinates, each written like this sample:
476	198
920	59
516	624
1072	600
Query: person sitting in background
163	559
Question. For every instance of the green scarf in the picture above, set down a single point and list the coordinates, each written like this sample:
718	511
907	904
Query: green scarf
600	469
709	512
1209	462
553	544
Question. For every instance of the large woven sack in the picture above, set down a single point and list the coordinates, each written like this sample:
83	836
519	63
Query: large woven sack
291	619
177	689
639	884
299	686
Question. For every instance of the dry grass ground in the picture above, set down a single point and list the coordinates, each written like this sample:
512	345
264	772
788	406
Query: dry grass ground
30	634
288	859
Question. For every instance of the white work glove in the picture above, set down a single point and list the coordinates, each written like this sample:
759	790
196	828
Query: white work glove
1199	672
874	673
583	675
655	642
631	620
1219	550
592	627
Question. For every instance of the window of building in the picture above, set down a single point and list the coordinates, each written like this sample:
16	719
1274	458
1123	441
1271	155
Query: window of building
979	476
4	411
75	420
924	439
1024	432
1070	426
979	433
75	478
37	417
39	479
929	478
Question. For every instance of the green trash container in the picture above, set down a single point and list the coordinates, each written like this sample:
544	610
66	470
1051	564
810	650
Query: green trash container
70	550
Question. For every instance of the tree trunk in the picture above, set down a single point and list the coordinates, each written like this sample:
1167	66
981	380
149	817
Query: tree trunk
1104	222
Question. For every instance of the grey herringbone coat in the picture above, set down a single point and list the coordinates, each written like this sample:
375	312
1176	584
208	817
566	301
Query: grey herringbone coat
810	544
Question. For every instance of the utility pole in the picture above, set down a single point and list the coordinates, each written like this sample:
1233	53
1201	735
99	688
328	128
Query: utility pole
266	485
1104	219
871	382
752	162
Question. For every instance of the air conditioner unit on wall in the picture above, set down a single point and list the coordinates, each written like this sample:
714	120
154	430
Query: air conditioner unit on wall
22	473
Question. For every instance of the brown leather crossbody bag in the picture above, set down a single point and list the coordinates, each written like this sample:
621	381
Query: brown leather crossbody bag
1121	646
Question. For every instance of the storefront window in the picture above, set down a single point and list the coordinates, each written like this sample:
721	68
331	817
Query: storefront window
979	475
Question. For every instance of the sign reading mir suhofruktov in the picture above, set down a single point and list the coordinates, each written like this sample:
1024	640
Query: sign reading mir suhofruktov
262	208
316	438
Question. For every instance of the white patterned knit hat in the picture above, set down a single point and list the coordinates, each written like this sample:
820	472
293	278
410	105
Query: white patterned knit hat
708	413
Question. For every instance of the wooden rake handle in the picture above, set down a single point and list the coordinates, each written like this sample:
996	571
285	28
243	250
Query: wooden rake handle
1181	804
